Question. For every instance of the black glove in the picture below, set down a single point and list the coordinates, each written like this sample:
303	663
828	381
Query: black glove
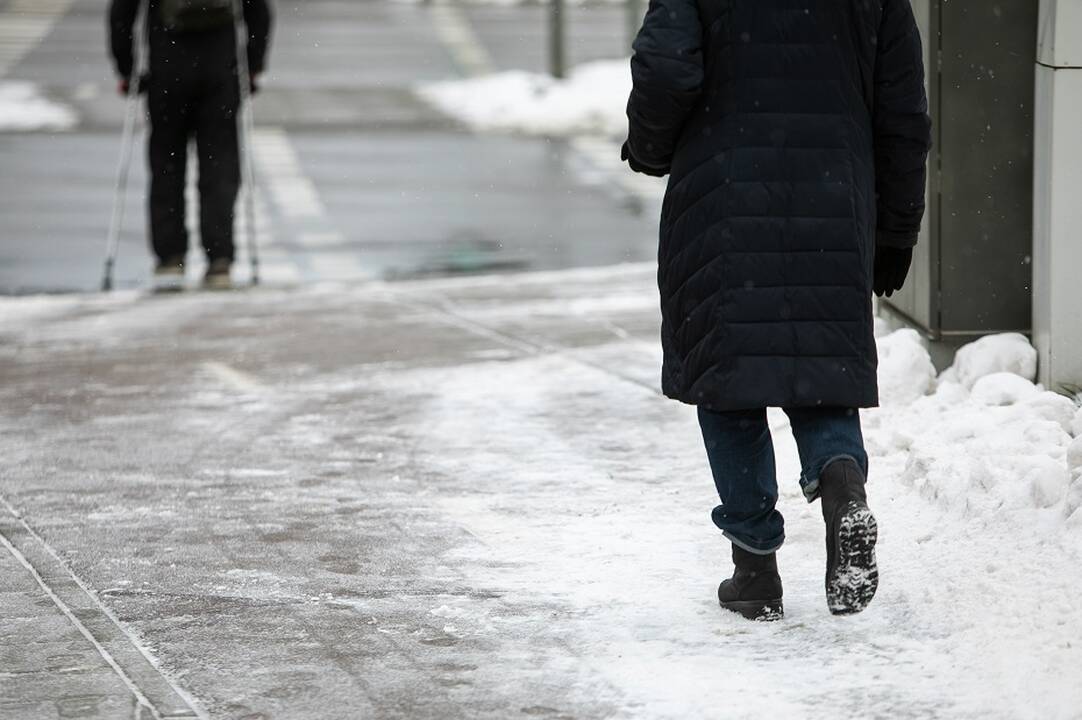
891	267
625	154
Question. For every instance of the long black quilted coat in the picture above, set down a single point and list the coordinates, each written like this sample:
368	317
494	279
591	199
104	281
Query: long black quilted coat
796	136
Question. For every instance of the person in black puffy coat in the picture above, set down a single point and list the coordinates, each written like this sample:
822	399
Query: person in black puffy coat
795	134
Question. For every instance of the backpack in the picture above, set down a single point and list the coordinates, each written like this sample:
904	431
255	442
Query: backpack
195	15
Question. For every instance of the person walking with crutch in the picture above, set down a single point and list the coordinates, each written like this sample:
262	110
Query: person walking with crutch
795	136
194	89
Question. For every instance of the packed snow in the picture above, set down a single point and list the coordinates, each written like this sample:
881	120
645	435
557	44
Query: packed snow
605	504
23	107
590	101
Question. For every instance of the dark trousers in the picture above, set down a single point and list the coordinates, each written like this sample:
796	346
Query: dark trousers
741	454
193	93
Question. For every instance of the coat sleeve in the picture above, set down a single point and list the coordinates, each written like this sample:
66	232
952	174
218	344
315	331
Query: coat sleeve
902	127
122	15
667	78
258	19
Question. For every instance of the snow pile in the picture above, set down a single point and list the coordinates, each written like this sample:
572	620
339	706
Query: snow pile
590	101
905	370
23	108
1073	501
1007	352
987	441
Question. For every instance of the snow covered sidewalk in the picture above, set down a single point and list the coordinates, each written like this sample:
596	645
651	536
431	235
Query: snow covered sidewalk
466	499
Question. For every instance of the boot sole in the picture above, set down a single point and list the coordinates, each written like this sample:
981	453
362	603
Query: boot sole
855	579
761	610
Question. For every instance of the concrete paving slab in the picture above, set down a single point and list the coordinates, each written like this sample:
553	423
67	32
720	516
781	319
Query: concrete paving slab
48	668
274	563
108	658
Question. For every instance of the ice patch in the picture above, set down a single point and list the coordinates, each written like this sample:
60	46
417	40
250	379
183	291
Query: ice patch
22	107
590	101
1006	352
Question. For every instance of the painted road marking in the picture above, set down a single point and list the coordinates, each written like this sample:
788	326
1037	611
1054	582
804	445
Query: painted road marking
293	192
23	25
457	35
319	239
296	198
236	379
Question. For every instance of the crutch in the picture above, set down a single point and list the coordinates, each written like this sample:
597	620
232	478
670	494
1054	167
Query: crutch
245	128
120	189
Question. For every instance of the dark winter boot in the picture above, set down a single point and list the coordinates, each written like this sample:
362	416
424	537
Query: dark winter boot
754	590
852	576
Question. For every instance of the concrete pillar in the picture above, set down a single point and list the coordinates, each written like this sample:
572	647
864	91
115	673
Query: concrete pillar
1057	252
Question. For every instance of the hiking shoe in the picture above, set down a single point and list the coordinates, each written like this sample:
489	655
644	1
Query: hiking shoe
218	277
170	267
852	575
169	274
754	590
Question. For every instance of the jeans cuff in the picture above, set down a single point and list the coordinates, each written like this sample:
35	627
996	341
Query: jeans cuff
809	482
754	547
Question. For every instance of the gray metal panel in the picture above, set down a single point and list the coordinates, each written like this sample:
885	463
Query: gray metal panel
914	300
985	124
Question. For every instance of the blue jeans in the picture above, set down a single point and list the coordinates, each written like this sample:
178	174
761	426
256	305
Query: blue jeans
741	455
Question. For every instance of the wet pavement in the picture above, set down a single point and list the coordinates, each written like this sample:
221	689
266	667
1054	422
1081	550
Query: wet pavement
399	190
253	492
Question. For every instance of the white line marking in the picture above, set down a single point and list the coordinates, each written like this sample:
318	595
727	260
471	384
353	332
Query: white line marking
337	266
320	239
293	192
236	379
87	91
295	196
24	24
457	35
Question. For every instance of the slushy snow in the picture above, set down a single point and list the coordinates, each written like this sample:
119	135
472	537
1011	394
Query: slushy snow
590	101
22	108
